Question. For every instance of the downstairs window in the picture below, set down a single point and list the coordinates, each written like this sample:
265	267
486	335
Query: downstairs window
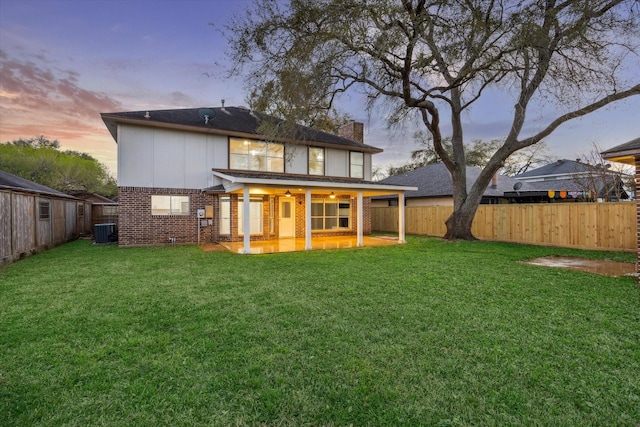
169	205
330	215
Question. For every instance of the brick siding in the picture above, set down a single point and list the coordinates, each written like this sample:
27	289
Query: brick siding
138	227
300	217
353	131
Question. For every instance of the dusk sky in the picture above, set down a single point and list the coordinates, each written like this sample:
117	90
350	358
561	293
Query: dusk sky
63	62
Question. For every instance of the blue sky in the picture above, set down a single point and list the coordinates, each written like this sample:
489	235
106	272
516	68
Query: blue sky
63	62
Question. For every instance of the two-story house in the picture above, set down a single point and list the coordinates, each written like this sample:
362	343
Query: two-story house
570	181
206	175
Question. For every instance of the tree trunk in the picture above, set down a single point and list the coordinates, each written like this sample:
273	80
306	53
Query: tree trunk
464	208
459	224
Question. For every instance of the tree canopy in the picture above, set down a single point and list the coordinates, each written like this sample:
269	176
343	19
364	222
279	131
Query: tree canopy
436	59
478	154
40	160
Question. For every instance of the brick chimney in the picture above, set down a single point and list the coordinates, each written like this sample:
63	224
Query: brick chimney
352	130
494	180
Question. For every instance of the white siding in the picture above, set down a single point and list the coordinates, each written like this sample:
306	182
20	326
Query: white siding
418	201
164	158
337	162
196	160
430	201
218	151
135	157
367	166
168	159
296	159
379	203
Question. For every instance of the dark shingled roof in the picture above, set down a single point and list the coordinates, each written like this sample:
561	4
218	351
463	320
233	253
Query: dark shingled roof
576	184
230	119
633	145
435	181
11	181
560	167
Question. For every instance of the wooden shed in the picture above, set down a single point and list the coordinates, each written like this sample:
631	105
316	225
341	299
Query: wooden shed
34	217
103	209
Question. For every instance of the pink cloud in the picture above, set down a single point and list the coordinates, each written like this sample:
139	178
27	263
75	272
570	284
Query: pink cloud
39	98
27	86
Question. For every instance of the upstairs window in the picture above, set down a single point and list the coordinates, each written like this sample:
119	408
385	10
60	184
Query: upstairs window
247	154
169	205
316	161
356	164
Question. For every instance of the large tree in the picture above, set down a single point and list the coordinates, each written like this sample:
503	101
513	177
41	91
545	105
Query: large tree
40	160
478	154
439	58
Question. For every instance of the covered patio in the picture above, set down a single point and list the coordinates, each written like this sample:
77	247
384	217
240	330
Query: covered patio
299	244
295	196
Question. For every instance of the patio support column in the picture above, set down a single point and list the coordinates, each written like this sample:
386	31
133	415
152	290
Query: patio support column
360	219
246	220
401	217
307	220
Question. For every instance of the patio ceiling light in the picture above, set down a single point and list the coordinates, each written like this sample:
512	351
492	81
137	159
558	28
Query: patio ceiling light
288	193
332	195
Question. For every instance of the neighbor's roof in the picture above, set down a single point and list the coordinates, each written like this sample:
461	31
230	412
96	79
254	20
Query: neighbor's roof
91	197
560	167
567	184
625	153
572	185
233	121
435	181
13	182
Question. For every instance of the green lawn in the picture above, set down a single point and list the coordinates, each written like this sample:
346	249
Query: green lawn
428	333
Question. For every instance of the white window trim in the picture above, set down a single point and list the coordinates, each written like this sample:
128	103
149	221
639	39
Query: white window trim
173	198
267	157
252	219
352	164
337	216
323	161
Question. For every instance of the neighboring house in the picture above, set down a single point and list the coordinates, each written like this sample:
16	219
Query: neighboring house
191	175
569	180
561	181
34	217
435	187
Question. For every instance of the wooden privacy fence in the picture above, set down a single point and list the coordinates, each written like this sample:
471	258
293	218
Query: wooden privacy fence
607	226
104	213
